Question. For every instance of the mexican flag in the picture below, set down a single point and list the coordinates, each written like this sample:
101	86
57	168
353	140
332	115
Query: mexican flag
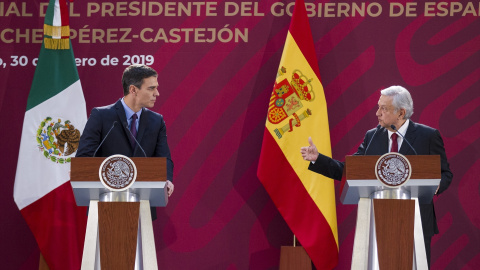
53	122
298	110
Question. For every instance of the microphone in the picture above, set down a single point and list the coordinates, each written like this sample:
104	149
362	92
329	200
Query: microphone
405	139
125	125
376	129
104	138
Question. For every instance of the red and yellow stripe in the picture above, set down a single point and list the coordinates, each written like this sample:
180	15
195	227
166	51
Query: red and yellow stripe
305	199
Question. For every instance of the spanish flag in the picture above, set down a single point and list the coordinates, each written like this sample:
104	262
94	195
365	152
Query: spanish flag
297	110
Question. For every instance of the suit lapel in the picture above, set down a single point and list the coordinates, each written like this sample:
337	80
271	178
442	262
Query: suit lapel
123	118
405	149
380	146
383	146
142	126
121	113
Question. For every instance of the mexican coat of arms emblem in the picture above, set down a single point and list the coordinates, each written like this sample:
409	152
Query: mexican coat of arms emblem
57	139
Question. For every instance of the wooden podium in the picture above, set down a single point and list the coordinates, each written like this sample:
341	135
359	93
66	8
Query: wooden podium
119	229
389	231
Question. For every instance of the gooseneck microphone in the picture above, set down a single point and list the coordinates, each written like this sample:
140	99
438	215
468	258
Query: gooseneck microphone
370	142
405	139
113	125
125	125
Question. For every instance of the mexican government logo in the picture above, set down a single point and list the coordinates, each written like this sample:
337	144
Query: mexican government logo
117	172
57	139
288	101
393	169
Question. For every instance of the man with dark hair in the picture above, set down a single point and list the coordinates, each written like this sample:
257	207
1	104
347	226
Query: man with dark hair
395	107
134	75
129	117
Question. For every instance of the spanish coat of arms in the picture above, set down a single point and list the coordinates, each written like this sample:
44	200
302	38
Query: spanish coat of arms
288	98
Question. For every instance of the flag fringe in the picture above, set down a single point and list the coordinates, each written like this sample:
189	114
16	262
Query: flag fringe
56	31
57	44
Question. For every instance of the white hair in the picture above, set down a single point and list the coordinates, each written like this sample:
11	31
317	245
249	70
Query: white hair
401	99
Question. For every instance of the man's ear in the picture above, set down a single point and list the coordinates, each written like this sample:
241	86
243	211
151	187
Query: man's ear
402	113
132	89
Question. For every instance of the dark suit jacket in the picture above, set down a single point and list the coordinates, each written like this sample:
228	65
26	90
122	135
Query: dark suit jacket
152	135
425	140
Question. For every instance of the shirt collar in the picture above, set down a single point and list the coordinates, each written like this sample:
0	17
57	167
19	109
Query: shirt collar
129	112
402	129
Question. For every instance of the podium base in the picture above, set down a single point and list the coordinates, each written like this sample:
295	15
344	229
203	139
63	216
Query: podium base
294	258
144	251
366	244
42	264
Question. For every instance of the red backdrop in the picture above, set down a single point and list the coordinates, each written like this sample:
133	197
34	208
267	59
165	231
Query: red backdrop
214	91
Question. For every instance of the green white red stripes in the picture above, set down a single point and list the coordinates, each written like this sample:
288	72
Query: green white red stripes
54	119
56	27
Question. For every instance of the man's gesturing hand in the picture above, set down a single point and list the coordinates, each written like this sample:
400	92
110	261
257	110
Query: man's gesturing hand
170	187
310	152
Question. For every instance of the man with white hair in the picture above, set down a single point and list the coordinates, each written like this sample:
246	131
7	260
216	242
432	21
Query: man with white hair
395	107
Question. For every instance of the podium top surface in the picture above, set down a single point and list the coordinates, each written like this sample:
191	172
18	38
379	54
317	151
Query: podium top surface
149	185
151	169
363	167
361	180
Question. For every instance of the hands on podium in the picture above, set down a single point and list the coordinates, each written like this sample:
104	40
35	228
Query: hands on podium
169	188
310	152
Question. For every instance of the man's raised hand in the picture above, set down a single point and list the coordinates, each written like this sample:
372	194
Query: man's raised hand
310	152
